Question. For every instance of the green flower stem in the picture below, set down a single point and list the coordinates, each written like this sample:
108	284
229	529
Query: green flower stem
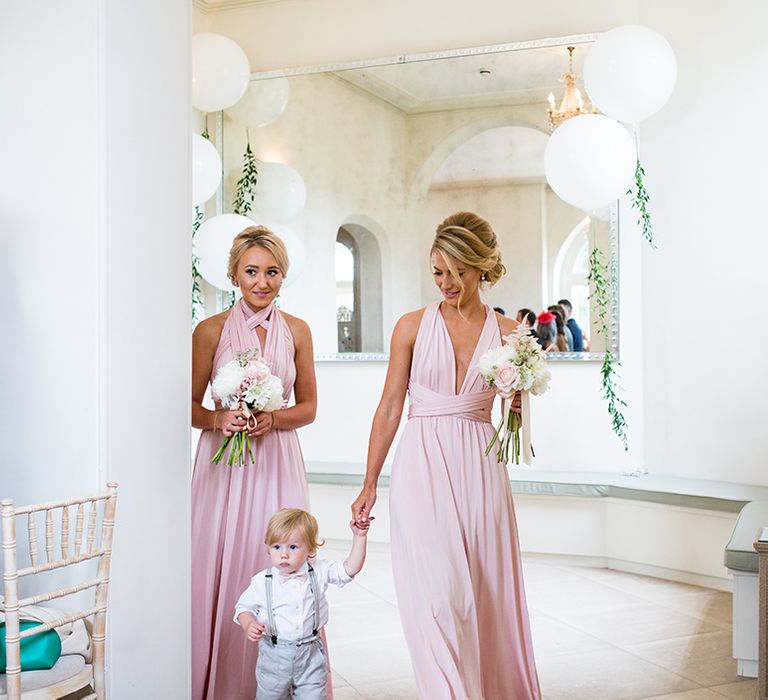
220	452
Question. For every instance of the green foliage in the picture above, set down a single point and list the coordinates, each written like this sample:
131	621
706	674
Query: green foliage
640	198
228	300
197	293
601	278
245	190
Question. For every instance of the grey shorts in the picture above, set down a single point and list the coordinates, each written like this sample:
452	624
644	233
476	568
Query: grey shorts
283	669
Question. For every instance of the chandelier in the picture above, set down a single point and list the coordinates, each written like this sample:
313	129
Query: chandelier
572	104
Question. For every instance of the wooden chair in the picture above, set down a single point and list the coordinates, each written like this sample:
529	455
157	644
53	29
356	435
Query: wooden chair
69	674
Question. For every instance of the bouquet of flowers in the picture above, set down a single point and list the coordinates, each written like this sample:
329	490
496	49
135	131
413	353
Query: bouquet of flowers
245	383
517	365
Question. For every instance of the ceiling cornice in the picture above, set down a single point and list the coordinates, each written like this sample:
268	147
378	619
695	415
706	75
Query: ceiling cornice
216	5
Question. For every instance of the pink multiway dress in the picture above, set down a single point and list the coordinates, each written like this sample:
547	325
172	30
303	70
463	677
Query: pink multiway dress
455	551
230	510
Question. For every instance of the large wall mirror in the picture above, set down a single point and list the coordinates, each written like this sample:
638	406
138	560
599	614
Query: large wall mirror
387	149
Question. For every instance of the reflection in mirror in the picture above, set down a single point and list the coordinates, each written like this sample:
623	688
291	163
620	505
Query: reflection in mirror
388	151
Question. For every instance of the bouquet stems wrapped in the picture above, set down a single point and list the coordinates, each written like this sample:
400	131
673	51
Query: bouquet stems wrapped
518	365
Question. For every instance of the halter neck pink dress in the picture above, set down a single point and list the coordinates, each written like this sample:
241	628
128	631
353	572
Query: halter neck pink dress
455	551
230	510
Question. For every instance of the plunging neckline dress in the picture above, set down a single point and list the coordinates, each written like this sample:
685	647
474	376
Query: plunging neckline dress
455	551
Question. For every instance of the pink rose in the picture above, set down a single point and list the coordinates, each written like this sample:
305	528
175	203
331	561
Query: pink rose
256	371
505	379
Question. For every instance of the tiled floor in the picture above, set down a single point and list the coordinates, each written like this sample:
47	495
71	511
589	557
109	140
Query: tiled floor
599	635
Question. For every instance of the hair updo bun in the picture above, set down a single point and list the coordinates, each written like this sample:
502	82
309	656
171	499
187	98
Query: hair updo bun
469	238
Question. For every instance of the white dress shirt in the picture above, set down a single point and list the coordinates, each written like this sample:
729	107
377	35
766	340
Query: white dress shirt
292	599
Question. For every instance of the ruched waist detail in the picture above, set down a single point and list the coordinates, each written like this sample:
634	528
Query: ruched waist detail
472	406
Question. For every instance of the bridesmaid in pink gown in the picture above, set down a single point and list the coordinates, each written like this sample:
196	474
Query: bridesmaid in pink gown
455	551
231	505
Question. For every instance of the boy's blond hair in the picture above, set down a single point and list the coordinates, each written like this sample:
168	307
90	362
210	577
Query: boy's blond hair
287	520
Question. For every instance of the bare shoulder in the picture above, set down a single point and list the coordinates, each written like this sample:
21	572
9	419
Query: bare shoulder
506	325
407	326
209	330
299	327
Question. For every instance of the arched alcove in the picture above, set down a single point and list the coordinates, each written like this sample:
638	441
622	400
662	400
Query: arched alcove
360	328
443	150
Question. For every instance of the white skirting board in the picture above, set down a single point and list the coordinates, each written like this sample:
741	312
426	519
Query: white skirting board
670	542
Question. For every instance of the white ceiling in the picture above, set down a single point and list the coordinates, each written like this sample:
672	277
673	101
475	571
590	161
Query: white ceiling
516	77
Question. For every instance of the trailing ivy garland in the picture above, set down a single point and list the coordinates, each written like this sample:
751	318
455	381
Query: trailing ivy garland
198	305
640	198
601	277
245	190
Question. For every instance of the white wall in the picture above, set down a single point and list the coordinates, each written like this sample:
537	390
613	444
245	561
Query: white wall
705	160
94	212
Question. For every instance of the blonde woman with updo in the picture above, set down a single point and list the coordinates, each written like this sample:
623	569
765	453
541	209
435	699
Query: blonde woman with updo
232	505
455	551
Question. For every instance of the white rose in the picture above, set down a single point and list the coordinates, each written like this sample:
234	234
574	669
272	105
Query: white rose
226	384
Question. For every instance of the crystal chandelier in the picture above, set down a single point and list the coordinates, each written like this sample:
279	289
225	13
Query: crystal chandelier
572	104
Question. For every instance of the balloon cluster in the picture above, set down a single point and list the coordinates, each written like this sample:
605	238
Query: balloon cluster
221	80
629	75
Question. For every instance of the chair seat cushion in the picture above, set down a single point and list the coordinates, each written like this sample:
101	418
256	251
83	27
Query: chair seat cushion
66	667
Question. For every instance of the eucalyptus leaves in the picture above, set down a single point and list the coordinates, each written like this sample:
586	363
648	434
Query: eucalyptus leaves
245	189
640	198
601	278
198	305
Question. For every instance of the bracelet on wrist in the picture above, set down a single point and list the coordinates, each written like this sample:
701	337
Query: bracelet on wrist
215	416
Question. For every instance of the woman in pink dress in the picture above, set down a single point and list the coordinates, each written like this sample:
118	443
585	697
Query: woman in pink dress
455	552
231	505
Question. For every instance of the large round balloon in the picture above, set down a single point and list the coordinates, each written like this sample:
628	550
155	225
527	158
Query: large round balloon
220	72
206	169
293	244
590	161
263	102
280	192
630	73
212	244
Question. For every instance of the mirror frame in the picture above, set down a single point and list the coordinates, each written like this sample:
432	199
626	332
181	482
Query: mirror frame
613	252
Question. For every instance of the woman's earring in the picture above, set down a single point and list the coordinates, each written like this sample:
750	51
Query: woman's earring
483	278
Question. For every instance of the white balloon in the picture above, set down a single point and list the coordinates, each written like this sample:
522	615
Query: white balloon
212	244
213	241
293	245
220	72
206	169
280	192
263	102
630	73
590	161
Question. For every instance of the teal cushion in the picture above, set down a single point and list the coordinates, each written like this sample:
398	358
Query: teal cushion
38	652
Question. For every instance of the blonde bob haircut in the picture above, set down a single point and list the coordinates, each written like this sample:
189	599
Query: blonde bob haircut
257	236
469	238
289	520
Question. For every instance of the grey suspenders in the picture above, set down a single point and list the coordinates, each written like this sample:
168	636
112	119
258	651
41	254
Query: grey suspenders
271	628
